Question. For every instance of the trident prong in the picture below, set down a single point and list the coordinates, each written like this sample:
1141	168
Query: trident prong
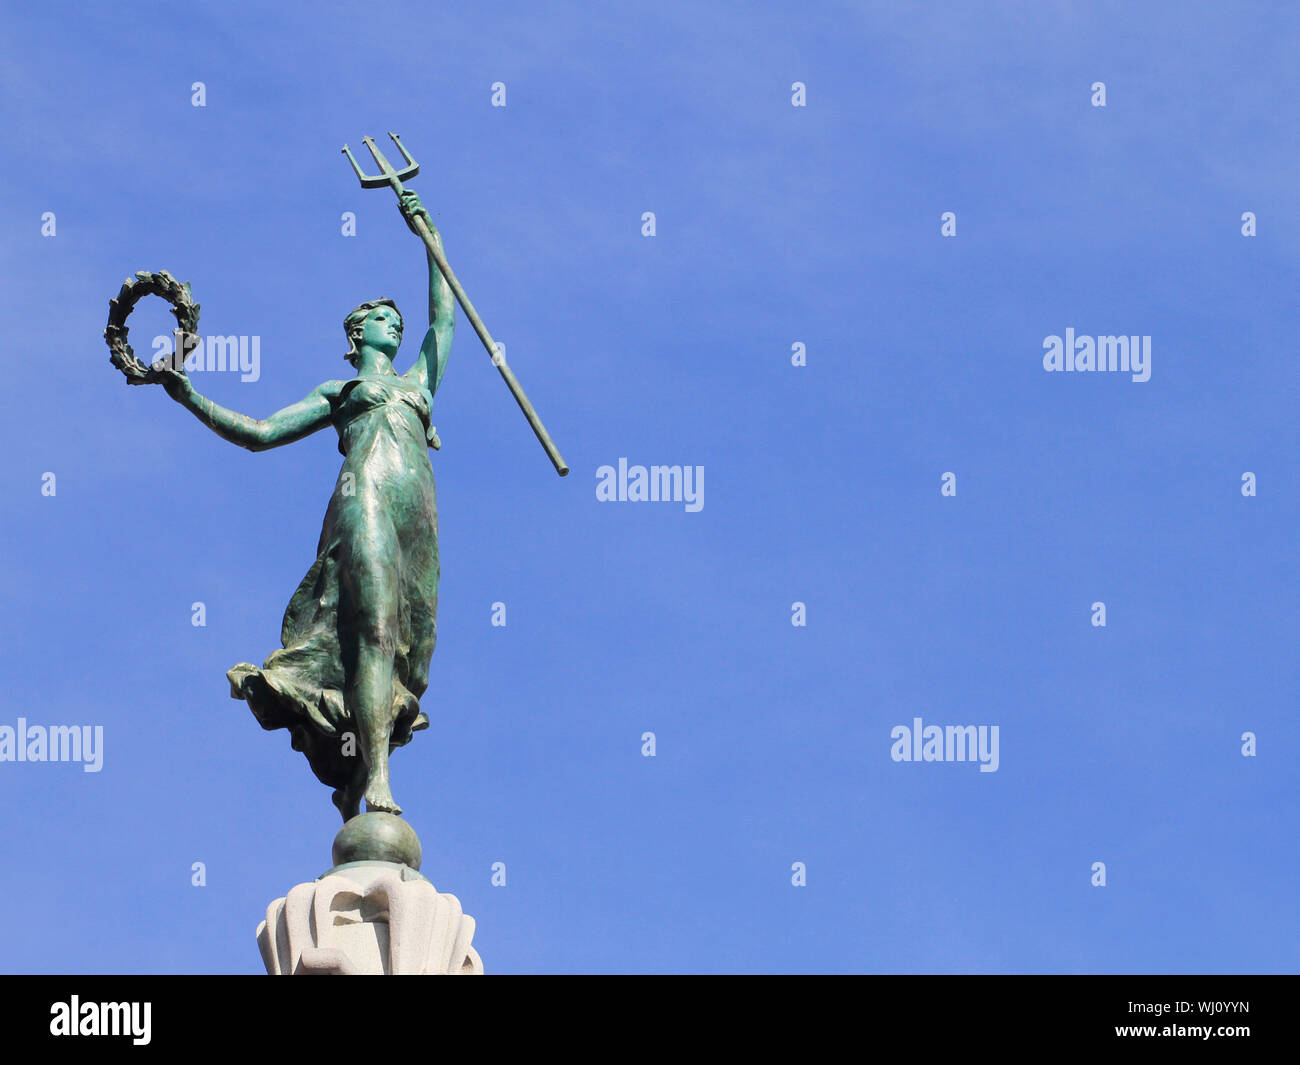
387	175
412	167
393	178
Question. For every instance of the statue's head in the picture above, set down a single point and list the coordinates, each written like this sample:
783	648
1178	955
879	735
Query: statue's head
377	323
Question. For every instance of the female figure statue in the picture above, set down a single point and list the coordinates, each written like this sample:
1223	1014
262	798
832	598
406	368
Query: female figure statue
359	632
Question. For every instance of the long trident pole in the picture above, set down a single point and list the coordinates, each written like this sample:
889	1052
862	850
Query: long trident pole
393	179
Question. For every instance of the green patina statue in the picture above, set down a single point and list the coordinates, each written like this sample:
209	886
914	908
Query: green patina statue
359	632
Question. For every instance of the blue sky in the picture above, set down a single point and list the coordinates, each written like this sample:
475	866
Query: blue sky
775	224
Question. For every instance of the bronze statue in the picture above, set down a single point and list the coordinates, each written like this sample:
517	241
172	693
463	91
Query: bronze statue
360	630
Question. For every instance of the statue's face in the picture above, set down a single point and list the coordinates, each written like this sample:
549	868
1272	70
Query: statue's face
382	329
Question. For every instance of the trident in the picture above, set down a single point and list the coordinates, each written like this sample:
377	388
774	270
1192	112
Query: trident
393	179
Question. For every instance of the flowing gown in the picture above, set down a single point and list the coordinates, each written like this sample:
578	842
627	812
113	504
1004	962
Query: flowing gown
383	521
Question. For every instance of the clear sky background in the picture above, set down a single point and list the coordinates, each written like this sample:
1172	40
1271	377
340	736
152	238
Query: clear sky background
776	225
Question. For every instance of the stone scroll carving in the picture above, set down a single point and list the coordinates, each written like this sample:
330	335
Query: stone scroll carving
368	921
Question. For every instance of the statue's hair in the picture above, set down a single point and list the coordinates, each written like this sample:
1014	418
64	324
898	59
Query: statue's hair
352	324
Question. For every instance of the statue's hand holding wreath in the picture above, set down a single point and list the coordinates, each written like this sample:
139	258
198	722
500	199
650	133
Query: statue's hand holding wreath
170	370
175	381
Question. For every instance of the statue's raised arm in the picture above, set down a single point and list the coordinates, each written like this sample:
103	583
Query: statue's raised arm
422	227
431	363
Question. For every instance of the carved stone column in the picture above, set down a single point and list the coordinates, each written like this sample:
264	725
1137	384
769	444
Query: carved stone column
372	914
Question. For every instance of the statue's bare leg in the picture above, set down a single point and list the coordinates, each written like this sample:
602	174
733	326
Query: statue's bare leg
368	639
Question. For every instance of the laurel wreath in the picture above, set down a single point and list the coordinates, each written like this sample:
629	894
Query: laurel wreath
178	294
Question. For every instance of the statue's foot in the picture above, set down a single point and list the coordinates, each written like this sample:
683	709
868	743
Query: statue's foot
378	797
348	803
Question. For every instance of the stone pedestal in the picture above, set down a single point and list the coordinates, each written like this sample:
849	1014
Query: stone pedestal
370	914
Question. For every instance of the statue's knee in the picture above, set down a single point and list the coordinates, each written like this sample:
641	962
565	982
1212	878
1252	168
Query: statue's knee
377	634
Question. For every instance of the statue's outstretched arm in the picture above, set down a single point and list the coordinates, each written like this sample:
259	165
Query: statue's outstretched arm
283	427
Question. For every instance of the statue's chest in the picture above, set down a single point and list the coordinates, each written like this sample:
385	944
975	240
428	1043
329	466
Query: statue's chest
363	395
